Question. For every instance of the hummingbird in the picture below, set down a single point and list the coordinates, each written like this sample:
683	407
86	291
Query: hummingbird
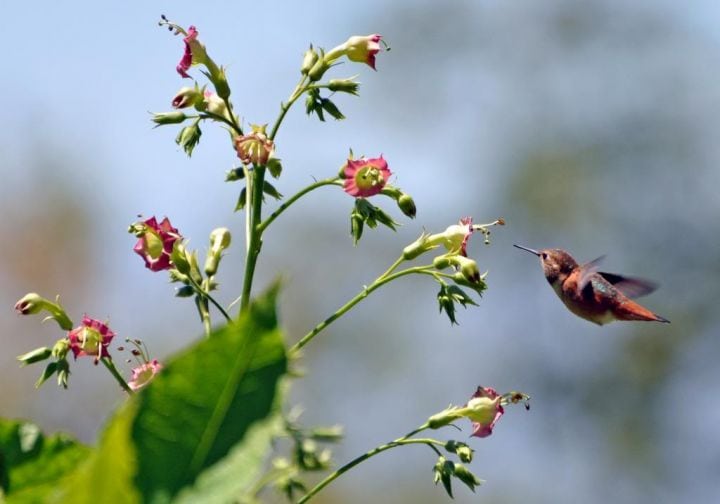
595	295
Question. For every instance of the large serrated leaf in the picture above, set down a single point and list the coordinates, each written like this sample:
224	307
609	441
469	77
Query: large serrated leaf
207	400
31	464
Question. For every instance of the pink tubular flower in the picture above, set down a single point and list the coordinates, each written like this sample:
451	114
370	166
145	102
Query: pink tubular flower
194	53
363	49
155	242
365	177
144	373
91	338
484	409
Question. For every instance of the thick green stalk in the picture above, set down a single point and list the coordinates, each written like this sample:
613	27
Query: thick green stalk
256	180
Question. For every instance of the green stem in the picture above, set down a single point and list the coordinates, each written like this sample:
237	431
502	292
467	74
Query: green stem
204	293
256	180
379	282
263	225
255	183
233	120
284	107
216	117
116	374
202	306
398	442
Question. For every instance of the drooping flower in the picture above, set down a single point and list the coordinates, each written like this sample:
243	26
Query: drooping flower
484	409
365	177
194	53
92	338
144	373
155	242
361	49
256	147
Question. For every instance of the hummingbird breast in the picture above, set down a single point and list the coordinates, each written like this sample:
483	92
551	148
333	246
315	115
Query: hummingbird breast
595	302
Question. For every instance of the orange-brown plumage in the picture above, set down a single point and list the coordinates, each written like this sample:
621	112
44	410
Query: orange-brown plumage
593	295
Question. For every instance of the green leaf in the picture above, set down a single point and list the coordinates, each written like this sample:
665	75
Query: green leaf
331	109
31	464
207	400
274	166
271	191
242	200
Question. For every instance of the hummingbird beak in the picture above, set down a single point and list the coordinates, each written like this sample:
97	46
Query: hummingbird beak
532	251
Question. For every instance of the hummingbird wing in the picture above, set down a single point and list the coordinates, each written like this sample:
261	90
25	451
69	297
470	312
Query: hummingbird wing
632	287
587	270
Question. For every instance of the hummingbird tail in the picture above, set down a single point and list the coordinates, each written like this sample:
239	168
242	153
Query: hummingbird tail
630	310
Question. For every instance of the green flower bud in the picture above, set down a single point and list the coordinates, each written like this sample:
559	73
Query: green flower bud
318	70
219	241
179	258
189	137
174	117
418	247
349	86
442	262
309	59
407	205
37	355
219	80
61	348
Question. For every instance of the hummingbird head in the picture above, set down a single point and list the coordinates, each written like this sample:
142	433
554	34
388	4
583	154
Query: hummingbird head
556	263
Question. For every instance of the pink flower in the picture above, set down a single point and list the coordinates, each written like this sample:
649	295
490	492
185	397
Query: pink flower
144	373
365	177
91	338
155	242
194	53
363	49
484	409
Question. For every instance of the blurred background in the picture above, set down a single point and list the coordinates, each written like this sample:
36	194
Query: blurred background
590	126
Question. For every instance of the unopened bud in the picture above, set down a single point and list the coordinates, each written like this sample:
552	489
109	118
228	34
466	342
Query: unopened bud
219	80
174	117
37	355
441	262
179	258
61	348
309	59
219	241
318	70
407	205
418	247
189	137
349	86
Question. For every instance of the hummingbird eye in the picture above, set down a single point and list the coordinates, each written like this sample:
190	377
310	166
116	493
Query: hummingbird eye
544	255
